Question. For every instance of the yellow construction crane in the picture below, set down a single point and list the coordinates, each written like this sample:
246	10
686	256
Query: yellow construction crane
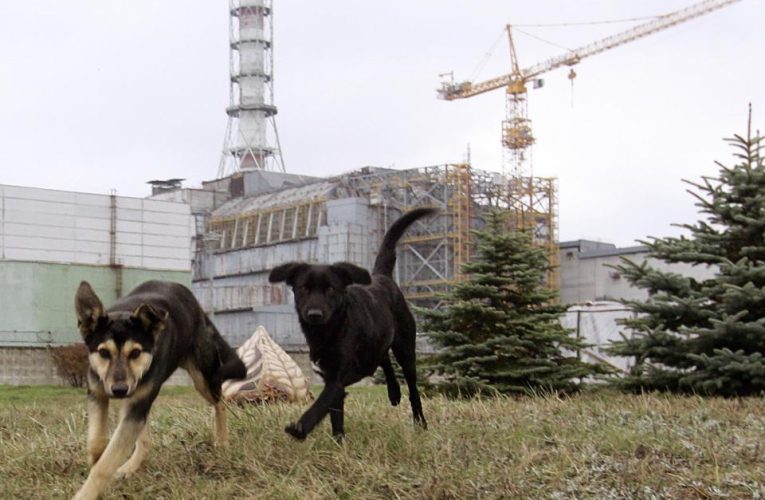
517	137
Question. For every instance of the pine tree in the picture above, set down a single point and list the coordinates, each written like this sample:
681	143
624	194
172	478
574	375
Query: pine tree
500	330
706	336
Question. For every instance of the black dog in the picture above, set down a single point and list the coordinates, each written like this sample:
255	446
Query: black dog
350	320
134	346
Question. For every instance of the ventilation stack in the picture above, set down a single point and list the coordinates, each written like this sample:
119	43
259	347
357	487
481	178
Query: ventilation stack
251	141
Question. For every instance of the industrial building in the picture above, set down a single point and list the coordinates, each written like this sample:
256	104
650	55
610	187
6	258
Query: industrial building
274	217
51	240
593	288
587	271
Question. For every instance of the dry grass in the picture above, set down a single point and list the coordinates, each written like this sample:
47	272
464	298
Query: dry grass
599	445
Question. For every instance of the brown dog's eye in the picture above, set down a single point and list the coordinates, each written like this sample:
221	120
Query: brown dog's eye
104	353
134	354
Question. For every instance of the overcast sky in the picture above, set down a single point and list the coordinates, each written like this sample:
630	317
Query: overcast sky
101	95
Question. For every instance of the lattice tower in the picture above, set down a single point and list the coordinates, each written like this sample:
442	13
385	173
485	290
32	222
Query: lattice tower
251	141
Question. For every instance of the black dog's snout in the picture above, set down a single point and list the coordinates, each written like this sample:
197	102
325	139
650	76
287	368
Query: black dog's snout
119	389
315	315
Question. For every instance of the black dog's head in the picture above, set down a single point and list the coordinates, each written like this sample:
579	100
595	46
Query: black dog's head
319	289
120	344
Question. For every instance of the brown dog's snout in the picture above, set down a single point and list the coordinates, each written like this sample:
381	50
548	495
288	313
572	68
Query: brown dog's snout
119	389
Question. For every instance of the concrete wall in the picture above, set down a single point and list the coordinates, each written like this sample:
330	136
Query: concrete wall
37	299
27	366
75	228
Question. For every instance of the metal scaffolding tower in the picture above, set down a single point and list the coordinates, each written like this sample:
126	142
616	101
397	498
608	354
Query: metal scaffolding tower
251	141
432	252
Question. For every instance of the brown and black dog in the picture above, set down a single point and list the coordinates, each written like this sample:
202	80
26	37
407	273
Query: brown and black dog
134	346
351	320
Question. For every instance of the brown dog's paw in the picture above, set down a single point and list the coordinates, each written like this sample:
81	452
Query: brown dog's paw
295	430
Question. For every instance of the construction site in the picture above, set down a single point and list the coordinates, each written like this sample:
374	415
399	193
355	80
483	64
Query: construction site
254	214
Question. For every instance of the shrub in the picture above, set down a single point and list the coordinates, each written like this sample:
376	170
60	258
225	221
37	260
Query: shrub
71	362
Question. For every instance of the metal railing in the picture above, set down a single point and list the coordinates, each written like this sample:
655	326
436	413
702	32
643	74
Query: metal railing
37	338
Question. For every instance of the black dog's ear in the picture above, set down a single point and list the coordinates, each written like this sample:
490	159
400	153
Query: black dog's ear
351	274
287	272
88	307
152	319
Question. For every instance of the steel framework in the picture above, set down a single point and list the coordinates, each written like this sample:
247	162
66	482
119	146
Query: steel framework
433	251
251	141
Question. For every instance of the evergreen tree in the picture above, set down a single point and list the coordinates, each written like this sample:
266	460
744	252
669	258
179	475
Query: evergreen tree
706	336
500	330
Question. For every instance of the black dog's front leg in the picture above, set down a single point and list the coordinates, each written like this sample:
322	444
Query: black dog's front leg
318	410
336	414
394	390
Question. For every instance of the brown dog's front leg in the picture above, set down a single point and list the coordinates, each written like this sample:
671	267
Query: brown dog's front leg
318	410
98	434
116	453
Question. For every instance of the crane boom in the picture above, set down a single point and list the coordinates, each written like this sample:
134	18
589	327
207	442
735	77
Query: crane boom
451	90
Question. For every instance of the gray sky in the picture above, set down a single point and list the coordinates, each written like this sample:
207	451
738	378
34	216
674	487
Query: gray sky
98	95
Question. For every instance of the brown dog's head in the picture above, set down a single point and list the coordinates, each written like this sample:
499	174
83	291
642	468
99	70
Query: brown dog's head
120	344
319	289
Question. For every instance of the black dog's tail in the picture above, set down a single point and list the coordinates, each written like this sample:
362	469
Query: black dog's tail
386	257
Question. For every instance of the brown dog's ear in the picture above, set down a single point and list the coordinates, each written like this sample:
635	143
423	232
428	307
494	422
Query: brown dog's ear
88	307
151	318
351	274
287	272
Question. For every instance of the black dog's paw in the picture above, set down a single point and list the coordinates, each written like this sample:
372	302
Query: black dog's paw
421	423
394	395
339	437
295	430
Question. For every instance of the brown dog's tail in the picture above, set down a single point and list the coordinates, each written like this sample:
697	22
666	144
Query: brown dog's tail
230	366
386	257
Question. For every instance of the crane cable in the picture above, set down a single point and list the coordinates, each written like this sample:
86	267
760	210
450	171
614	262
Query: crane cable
482	63
515	28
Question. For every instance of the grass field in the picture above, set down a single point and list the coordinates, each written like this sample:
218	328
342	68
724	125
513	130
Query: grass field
597	445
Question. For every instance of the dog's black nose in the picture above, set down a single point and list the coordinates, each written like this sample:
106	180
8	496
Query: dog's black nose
315	315
119	389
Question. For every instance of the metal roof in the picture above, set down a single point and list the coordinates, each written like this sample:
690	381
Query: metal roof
323	190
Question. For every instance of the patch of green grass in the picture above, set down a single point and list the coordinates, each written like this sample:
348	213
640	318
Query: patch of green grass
595	445
29	393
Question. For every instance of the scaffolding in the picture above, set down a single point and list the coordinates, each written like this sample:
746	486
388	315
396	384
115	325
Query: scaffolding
432	252
533	205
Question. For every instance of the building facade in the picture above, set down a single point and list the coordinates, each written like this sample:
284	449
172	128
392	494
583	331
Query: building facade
52	240
587	273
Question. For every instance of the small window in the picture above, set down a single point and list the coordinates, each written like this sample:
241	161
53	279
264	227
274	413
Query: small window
276	226
302	221
289	224
263	228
